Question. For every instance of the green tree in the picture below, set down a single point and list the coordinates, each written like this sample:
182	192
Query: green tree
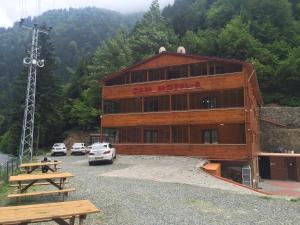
151	33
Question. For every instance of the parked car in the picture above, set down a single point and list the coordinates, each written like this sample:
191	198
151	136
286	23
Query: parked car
78	148
102	152
59	148
88	148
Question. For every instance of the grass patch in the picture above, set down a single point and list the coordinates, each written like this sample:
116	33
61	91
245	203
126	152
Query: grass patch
294	200
266	197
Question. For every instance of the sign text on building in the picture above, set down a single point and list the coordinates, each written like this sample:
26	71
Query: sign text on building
166	88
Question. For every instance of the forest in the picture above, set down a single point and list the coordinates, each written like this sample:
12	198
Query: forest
88	44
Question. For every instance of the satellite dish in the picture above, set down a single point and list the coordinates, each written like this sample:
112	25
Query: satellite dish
181	50
41	63
26	61
162	49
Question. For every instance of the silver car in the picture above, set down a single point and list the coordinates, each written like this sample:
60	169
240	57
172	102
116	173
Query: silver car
102	152
59	148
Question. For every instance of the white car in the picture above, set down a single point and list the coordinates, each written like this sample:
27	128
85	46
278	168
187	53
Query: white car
78	148
102	152
59	148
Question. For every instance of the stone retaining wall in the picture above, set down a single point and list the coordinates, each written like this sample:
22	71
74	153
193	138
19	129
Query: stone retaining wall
276	137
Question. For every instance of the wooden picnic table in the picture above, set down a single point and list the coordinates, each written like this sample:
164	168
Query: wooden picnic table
58	212
30	167
25	181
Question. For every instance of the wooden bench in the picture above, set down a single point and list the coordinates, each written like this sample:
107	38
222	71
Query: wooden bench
35	184
25	181
58	212
42	193
31	167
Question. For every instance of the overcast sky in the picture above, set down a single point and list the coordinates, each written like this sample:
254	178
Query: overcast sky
12	10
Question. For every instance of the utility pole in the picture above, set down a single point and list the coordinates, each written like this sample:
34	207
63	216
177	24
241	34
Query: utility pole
33	62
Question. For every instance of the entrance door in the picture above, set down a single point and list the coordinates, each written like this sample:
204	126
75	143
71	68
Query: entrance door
264	167
291	168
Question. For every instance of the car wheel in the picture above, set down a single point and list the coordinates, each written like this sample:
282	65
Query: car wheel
112	160
91	163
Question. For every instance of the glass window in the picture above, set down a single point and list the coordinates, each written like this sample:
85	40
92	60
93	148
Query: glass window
139	76
210	136
179	102
177	72
158	74
150	136
110	135
156	103
209	102
180	134
130	135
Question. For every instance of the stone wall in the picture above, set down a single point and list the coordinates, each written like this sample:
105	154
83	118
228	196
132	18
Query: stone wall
280	128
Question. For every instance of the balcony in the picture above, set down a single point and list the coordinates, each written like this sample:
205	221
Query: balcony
209	116
181	85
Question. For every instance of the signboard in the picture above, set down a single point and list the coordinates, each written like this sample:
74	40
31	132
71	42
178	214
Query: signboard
166	88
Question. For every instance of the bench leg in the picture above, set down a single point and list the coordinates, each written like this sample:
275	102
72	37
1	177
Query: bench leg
72	221
81	219
60	221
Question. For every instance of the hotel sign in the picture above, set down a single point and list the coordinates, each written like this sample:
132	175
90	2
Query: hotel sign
166	88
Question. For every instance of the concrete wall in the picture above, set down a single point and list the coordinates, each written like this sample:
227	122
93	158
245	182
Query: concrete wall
275	137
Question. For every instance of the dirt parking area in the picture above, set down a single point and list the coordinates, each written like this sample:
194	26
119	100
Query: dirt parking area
153	190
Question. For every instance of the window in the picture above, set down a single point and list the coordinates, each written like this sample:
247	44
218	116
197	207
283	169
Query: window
139	76
110	135
209	102
177	72
130	135
158	74
111	107
210	136
180	134
130	105
179	102
198	69
156	103
158	134
150	136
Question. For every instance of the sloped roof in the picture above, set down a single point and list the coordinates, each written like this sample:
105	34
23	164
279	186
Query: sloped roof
187	57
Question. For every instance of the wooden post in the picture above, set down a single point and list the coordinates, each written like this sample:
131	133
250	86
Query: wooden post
189	71
188	101
142	135
207	68
189	134
170	134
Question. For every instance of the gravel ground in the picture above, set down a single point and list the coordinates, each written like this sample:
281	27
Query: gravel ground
130	193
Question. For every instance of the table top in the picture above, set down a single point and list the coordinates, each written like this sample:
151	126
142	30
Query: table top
39	164
40	212
39	176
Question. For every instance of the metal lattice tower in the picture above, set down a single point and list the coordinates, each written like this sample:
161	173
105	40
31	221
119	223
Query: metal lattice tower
33	62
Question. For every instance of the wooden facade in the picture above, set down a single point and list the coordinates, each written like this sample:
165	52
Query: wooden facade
179	104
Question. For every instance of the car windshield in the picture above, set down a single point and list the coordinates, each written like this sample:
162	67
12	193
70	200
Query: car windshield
78	144
99	146
58	144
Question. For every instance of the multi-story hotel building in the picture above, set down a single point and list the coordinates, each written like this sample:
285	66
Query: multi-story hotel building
185	105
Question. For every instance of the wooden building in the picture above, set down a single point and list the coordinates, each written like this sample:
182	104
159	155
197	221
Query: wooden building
185	105
279	166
